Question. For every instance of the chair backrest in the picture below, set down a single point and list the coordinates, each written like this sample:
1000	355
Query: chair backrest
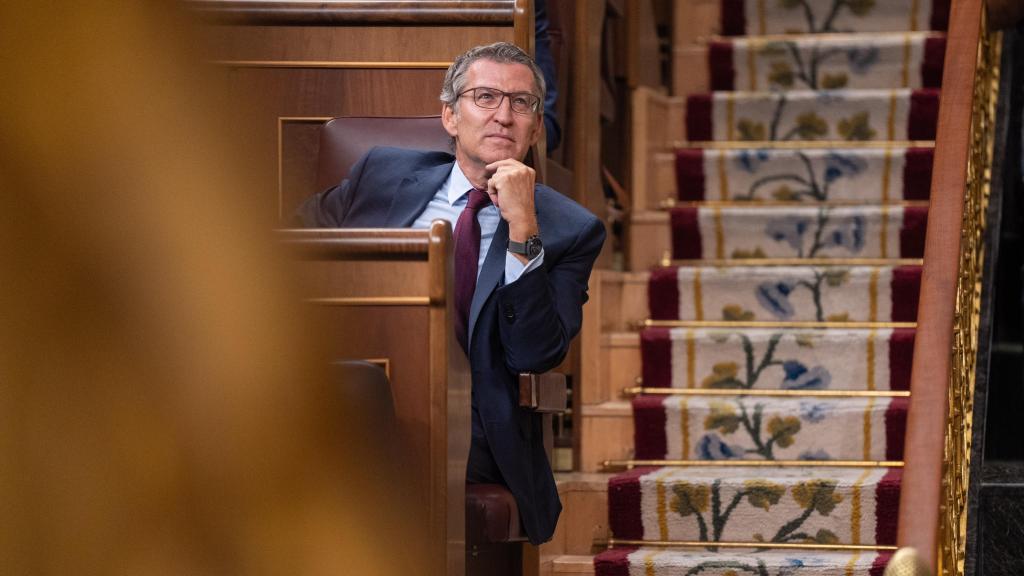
343	141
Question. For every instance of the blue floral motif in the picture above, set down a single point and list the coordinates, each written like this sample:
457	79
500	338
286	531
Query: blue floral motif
861	59
813	412
849	234
774	297
819	454
790	230
711	447
842	165
799	377
751	160
794	565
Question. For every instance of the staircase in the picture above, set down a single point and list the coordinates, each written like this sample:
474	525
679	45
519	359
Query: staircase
774	354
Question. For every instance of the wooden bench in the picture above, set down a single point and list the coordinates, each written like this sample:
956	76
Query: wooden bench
383	297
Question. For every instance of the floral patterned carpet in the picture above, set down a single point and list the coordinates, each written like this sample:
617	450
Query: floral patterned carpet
769	427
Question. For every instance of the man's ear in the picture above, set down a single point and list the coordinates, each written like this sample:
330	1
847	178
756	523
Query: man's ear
538	127
448	117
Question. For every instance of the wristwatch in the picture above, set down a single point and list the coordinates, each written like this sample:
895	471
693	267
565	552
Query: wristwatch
531	248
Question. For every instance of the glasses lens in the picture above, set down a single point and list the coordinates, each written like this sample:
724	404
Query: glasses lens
524	103
487	98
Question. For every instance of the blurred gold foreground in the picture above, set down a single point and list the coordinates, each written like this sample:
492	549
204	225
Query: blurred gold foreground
164	408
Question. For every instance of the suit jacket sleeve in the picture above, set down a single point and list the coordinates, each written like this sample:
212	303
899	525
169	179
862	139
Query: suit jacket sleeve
541	312
327	209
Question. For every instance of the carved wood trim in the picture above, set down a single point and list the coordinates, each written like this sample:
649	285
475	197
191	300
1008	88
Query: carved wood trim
346	13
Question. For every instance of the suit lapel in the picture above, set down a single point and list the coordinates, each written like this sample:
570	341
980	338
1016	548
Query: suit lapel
414	193
492	272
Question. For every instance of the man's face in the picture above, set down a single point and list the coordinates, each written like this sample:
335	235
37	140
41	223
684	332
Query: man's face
484	136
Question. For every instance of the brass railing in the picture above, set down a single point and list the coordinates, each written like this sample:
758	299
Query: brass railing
960	408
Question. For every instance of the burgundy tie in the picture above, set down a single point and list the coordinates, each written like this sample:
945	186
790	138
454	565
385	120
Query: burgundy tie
467	257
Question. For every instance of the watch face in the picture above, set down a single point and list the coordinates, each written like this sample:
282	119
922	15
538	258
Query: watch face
533	247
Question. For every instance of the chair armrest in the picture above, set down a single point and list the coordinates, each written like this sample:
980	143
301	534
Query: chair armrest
543	393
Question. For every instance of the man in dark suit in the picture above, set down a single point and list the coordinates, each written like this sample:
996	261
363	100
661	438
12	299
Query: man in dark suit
523	255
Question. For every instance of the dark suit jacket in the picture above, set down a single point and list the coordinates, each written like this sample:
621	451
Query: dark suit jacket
525	326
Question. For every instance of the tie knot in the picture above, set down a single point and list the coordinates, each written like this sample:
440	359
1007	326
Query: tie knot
477	199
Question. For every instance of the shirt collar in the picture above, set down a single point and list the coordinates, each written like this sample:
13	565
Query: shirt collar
458	185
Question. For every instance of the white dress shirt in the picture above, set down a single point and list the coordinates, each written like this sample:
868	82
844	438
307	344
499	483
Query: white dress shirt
447	204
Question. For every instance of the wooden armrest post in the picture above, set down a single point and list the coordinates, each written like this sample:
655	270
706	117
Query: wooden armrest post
543	393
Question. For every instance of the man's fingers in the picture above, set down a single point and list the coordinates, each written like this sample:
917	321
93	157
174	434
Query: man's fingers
492	191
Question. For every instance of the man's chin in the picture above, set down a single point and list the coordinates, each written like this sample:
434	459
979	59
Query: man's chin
510	153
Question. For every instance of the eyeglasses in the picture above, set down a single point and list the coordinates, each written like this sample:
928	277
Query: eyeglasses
491	98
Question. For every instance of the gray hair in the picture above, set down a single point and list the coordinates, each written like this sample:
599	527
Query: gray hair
500	52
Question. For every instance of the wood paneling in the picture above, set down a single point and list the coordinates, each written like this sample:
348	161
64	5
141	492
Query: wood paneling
585	115
351	43
348	12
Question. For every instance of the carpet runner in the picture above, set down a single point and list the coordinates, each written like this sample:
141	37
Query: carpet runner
772	407
633	561
765	428
823	505
798	231
912	60
878	293
806	115
791	359
862	175
760	17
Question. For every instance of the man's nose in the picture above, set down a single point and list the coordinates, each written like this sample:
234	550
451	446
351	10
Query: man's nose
504	113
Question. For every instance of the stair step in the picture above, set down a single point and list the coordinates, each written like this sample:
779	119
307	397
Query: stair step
816	62
807	115
572	564
825	505
618	367
606	433
869	175
795	231
685	562
584	517
769	428
621	299
739	17
785	293
842	358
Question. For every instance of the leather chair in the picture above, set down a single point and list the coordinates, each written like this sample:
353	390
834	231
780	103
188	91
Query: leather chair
343	141
494	536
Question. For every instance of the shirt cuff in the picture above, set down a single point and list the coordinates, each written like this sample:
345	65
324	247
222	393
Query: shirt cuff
514	268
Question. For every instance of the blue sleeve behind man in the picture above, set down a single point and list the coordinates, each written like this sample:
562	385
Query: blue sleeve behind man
547	68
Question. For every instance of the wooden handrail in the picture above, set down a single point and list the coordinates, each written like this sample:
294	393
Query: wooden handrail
922	496
355	12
